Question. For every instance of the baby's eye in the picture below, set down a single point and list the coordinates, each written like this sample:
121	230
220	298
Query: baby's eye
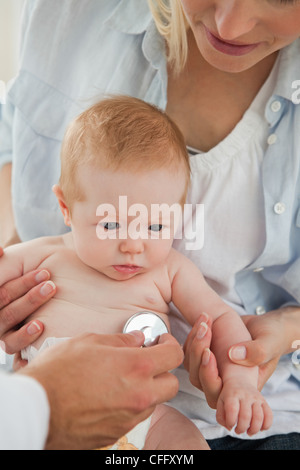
155	227
111	225
286	2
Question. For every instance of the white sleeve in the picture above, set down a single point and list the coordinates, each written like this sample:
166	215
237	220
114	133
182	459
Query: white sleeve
24	413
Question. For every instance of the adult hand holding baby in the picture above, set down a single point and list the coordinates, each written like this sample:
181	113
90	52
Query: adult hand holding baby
18	299
265	349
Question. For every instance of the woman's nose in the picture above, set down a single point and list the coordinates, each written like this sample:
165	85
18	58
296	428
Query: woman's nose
236	18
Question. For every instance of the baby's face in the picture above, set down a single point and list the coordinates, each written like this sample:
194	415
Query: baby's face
126	224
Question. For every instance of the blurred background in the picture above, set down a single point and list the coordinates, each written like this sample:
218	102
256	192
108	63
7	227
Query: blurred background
10	16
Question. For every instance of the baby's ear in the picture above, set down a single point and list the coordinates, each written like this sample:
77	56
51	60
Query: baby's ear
62	204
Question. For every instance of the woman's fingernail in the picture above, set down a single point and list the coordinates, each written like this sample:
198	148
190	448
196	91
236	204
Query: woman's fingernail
205	357
47	288
238	353
206	317
202	330
42	276
33	328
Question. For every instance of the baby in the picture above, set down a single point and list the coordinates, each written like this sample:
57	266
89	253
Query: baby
118	259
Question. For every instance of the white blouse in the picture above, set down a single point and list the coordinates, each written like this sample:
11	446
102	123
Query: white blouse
227	181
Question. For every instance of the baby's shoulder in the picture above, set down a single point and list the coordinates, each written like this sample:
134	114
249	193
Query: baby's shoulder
34	252
179	264
175	262
44	243
175	258
36	244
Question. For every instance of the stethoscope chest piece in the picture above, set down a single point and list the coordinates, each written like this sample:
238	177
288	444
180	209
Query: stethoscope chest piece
151	324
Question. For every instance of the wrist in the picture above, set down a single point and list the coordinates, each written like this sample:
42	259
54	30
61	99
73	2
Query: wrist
248	378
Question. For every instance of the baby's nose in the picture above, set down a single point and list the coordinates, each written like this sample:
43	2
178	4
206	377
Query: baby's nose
132	246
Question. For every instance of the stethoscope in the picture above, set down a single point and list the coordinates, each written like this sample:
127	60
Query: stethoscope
151	324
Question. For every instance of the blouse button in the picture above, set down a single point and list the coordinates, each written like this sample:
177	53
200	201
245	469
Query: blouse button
275	106
279	208
272	139
260	310
258	270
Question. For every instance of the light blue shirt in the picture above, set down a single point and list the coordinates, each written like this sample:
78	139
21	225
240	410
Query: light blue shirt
75	51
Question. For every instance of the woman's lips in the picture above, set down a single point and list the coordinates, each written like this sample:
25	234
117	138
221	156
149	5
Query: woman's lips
126	268
230	48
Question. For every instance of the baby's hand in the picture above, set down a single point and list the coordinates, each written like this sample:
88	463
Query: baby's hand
241	404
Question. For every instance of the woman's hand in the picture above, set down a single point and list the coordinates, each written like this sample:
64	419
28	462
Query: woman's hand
273	335
18	299
201	362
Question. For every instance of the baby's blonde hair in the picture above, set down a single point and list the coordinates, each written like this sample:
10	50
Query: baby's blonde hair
121	132
172	24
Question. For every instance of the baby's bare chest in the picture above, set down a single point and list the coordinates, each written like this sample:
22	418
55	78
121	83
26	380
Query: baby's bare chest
88	301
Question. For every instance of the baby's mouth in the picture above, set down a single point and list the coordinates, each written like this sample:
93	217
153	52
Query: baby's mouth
127	268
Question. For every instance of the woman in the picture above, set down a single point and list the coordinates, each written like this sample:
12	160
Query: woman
224	71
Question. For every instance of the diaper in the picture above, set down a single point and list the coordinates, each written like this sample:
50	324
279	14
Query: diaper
31	352
134	440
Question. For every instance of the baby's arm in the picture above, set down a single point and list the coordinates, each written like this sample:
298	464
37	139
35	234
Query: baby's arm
239	402
22	258
12	264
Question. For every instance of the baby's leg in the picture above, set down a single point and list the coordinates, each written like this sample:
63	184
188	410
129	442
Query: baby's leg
171	430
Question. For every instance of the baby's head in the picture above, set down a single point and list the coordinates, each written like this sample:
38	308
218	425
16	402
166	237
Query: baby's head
120	147
121	133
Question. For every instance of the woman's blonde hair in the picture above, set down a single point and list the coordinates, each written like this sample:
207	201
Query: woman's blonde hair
171	23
